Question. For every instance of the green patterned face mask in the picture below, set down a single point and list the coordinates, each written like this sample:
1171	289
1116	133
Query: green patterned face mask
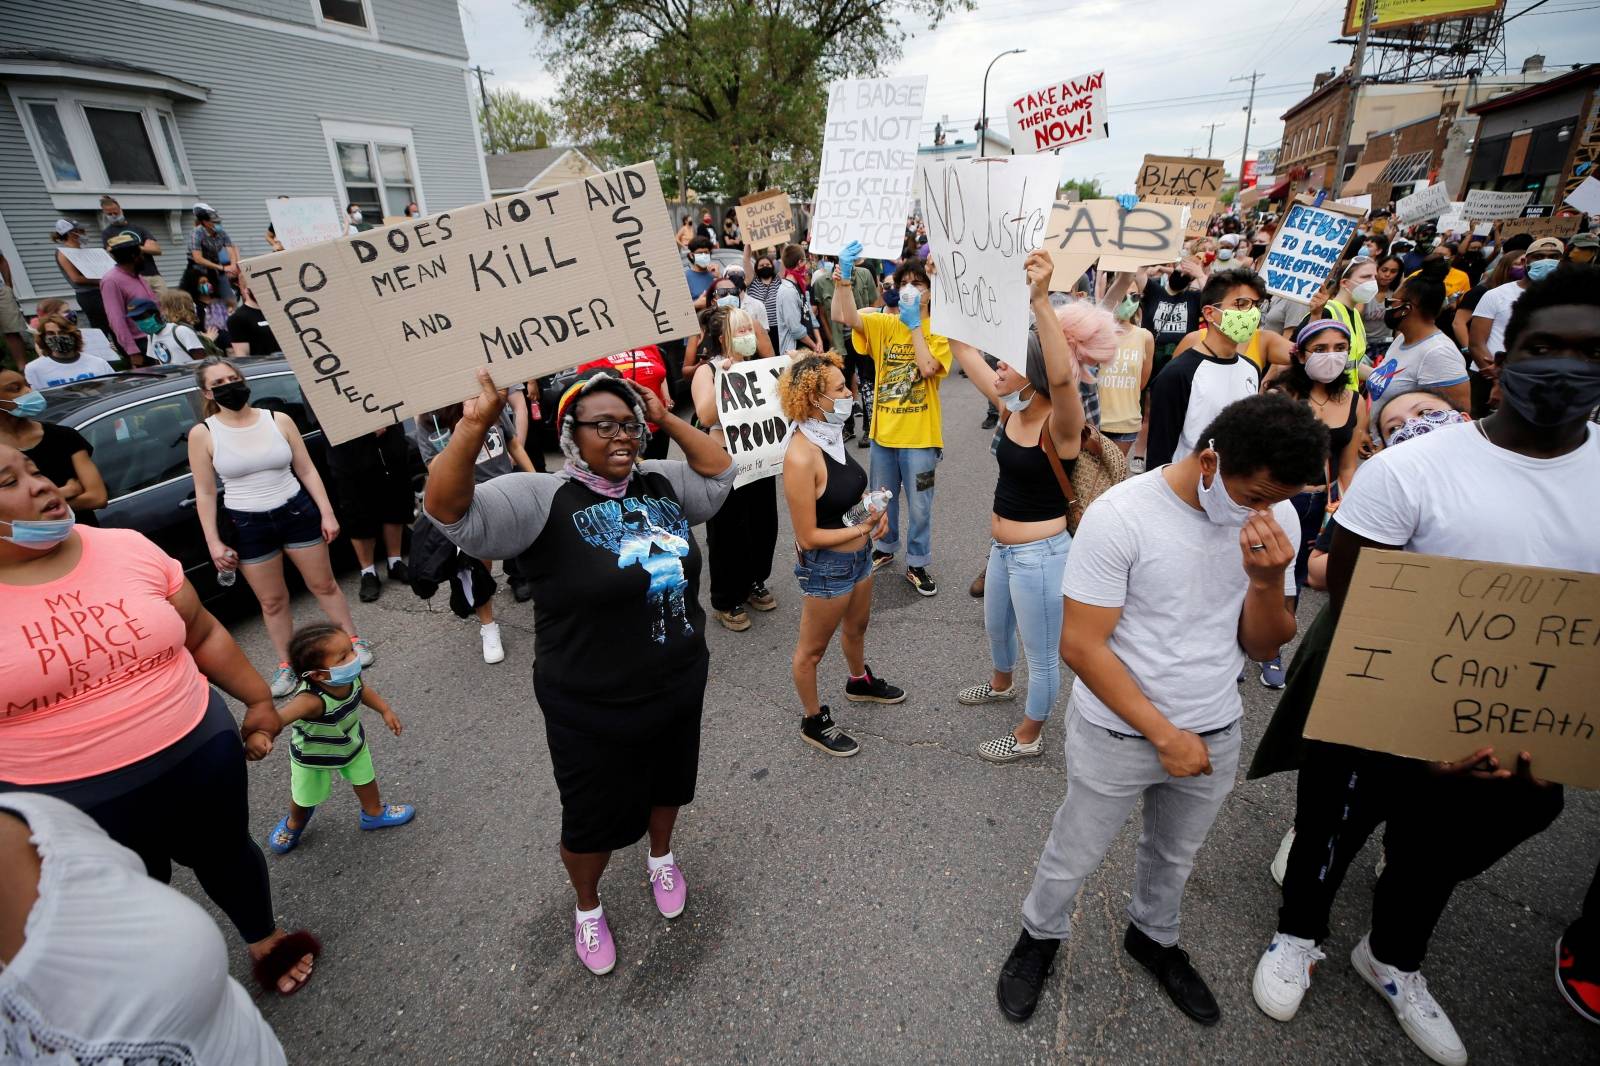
1127	307
1239	326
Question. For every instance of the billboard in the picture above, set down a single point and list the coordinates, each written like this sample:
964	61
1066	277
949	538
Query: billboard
1388	14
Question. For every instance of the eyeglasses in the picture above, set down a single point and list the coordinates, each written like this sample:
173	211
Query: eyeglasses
1244	303
607	428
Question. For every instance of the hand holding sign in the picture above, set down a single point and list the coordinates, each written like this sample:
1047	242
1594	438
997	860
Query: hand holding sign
847	259
1039	268
482	411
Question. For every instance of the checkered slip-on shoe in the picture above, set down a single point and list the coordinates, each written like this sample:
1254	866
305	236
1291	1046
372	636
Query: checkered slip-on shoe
973	695
1009	749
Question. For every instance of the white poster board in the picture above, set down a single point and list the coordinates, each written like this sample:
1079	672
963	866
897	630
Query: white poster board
389	323
1064	112
869	159
1308	244
1586	197
1483	205
754	428
1422	205
1452	221
92	263
1362	202
984	216
301	220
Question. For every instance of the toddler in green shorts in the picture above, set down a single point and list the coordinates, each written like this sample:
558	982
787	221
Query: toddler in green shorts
325	738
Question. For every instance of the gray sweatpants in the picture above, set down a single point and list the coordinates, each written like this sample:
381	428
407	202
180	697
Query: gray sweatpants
1106	775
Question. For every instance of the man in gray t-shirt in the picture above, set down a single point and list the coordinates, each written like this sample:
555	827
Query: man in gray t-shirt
1174	577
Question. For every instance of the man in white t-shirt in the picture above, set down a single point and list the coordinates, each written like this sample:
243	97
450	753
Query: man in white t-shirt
1517	487
1487	331
1175	576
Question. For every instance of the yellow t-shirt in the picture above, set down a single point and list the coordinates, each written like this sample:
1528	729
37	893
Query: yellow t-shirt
905	408
1118	385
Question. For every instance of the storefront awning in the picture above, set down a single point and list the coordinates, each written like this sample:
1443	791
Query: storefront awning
1280	190
1364	176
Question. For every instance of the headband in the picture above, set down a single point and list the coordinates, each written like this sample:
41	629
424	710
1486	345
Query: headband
1311	329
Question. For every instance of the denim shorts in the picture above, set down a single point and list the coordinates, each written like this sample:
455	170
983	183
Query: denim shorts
825	573
261	535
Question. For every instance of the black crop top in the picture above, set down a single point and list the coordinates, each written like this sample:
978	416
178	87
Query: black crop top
1027	490
846	484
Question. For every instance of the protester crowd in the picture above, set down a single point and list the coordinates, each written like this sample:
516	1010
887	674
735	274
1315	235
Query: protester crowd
1179	456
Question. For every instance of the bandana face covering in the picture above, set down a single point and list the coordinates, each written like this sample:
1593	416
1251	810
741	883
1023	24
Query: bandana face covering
1426	422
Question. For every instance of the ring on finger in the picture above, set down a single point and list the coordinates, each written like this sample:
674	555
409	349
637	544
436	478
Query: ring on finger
1258	547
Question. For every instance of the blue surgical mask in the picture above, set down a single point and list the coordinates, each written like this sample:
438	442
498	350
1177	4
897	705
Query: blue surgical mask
840	414
39	534
729	300
1540	269
1017	401
1220	508
344	673
29	405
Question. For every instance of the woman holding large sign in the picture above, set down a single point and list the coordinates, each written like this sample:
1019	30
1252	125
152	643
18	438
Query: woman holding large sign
620	650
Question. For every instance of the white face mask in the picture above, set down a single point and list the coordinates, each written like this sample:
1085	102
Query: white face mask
1219	506
1365	291
1017	401
702	259
1326	366
355	216
745	345
840	413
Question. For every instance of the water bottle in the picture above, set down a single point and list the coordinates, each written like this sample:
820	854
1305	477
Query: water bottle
873	503
226	578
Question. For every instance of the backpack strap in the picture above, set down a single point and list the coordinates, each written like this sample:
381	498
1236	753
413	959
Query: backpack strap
1047	444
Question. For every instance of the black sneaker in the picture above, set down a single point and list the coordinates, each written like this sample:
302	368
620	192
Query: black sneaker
371	587
872	689
819	731
921	580
864	442
521	589
1022	976
1183	985
881	559
991	419
399	572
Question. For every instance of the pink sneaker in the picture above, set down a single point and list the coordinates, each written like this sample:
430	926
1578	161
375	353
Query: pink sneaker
596	950
672	895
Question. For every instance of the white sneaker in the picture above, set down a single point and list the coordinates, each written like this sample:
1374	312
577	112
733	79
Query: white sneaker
1419	1014
493	650
1280	861
283	681
1284	974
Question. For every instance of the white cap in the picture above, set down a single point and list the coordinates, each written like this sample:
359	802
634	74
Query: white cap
1229	239
65	226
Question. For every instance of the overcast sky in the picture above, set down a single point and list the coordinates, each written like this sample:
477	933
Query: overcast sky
1167	70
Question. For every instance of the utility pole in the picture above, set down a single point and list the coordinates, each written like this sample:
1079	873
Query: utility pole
488	122
1367	13
1249	117
1211	133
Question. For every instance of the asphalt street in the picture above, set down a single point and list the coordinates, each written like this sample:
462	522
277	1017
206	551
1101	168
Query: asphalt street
840	910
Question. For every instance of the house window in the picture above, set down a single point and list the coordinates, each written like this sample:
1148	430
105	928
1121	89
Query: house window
103	141
351	16
376	167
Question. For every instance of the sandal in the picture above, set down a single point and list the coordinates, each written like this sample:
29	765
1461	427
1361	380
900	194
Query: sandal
283	839
393	814
285	956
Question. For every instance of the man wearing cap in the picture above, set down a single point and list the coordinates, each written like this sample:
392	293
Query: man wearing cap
212	250
1581	248
117	222
120	288
1487	331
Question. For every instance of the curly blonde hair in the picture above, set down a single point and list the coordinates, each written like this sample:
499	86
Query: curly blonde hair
803	383
178	306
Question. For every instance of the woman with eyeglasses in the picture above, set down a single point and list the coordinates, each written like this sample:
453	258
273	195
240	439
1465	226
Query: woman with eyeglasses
620	656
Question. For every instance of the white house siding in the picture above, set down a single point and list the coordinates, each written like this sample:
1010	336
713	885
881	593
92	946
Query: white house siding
260	132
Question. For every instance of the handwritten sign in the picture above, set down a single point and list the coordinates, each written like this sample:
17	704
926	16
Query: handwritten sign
384	324
1423	204
754	428
1538	227
1061	113
1484	205
984	217
1307	245
869	158
1184	182
1435	658
1082	234
1452	221
302	220
93	263
765	220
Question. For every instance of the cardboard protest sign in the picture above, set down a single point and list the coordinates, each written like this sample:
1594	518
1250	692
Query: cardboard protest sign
302	220
1484	205
1435	658
1452	221
1308	244
1538	227
754	427
91	262
386	324
1423	204
984	217
1185	182
1586	197
1061	113
1081	234
765	220
869	157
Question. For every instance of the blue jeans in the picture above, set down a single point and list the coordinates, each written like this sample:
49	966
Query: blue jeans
908	473
1022	591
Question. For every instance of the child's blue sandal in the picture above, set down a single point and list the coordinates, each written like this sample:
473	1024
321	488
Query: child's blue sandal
392	815
283	839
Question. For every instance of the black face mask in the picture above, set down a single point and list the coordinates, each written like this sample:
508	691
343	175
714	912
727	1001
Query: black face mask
233	396
1551	391
765	273
1393	316
1177	281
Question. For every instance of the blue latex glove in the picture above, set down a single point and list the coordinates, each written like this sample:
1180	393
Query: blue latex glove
1127	201
911	308
847	258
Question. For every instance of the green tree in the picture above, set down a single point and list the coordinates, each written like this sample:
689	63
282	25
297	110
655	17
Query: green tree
1085	188
727	96
514	122
1227	197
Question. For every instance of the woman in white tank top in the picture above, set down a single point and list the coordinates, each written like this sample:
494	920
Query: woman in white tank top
276	499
